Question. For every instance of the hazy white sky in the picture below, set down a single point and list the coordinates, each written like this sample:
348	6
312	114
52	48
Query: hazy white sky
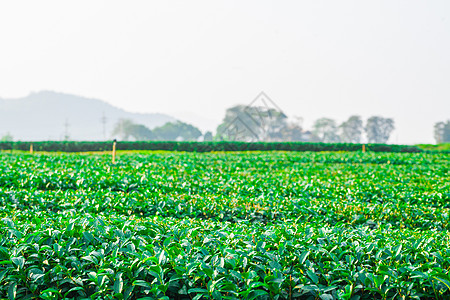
194	59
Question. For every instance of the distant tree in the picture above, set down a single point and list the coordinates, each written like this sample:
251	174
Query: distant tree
141	133
378	129
439	132
446	138
208	136
293	131
325	130
7	138
351	130
177	131
125	129
251	123
442	132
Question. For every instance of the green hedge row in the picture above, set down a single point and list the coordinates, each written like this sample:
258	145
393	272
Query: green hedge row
201	146
441	148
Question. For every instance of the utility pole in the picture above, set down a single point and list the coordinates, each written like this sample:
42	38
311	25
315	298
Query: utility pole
66	130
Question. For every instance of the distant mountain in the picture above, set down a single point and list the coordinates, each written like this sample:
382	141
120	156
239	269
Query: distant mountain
51	116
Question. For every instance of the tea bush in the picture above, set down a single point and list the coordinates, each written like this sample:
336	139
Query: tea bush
243	225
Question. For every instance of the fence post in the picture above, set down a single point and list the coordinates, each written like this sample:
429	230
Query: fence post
31	148
363	148
114	151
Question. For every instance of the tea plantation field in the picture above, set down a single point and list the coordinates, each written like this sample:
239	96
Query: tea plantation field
241	225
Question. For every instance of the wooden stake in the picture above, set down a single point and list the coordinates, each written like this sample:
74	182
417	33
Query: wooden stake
364	148
31	148
114	152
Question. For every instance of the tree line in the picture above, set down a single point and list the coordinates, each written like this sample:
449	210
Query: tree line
245	123
171	131
251	124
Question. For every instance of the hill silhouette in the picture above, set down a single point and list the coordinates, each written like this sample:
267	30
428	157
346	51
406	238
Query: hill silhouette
50	115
